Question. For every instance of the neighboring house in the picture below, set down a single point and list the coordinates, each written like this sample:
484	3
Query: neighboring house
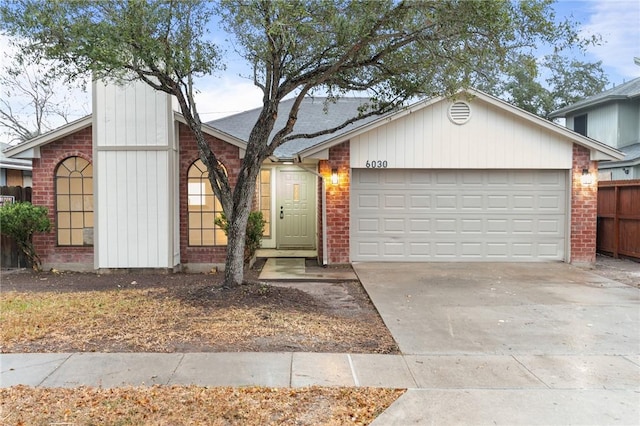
468	180
612	117
14	172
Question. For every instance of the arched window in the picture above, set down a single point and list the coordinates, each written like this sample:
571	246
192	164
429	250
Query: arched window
74	202
203	208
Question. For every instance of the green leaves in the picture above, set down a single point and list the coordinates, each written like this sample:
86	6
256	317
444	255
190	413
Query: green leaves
254	232
20	221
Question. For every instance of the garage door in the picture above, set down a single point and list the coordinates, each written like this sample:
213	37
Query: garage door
468	215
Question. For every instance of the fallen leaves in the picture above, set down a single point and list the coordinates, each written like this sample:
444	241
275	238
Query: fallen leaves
193	405
159	320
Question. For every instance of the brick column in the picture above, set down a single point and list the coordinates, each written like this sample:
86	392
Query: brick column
337	205
584	208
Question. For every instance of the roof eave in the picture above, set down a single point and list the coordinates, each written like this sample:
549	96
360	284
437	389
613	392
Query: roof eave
15	165
60	132
616	164
386	118
599	150
563	112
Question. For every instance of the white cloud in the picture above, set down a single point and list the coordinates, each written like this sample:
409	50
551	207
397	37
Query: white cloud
618	21
222	96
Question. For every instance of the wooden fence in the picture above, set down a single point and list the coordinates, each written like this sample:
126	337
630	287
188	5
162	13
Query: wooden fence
10	255
619	218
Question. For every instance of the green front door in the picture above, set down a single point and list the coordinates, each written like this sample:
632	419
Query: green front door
295	210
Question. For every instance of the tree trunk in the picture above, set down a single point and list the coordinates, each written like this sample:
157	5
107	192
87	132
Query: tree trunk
234	264
242	203
257	150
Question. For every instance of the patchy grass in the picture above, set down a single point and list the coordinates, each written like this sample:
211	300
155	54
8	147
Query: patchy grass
181	405
253	318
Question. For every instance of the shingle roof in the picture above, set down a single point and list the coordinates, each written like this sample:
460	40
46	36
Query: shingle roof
632	157
315	114
628	90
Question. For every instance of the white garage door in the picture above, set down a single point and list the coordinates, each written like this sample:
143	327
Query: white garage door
446	215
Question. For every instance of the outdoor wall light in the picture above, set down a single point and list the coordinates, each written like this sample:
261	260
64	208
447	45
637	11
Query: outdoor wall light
334	176
625	170
586	177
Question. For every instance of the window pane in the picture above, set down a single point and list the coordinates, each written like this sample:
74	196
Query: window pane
77	220
194	238
76	203
64	237
62	203
195	221
63	169
207	220
77	237
88	203
87	186
62	186
88	220
207	237
64	220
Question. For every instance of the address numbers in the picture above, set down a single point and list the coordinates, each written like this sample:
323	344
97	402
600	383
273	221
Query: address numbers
376	164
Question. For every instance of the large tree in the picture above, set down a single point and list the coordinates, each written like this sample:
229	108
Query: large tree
392	50
546	84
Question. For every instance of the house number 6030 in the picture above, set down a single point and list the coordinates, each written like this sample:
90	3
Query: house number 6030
376	164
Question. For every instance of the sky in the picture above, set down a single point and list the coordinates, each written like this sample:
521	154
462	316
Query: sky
617	21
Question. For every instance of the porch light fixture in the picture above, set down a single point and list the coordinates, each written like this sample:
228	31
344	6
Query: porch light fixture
625	170
334	176
586	178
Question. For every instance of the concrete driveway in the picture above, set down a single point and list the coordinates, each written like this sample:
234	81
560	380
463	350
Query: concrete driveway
504	343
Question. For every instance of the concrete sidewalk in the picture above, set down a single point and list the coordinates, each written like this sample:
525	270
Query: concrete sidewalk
443	389
299	369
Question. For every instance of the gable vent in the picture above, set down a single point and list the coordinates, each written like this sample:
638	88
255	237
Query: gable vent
459	112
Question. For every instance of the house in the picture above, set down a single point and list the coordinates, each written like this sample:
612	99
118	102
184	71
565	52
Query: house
472	179
612	117
14	172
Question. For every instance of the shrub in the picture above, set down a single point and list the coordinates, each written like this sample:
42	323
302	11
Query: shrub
255	230
20	221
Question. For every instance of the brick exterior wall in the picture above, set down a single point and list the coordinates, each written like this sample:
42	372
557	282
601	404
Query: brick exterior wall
584	208
229	156
583	200
44	168
337	205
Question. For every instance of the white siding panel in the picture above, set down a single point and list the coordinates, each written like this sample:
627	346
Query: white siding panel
133	115
134	213
137	172
491	139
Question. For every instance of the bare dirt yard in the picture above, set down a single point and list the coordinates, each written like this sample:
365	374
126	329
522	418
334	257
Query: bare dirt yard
133	312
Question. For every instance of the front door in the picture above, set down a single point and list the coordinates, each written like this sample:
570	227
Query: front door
295	210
